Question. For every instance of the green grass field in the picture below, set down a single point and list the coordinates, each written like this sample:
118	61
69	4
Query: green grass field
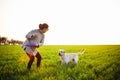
97	63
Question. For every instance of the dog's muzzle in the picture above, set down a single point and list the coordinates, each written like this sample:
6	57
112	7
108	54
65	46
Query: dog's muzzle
60	54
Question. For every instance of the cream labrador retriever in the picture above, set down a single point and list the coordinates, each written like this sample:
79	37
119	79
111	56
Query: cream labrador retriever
71	57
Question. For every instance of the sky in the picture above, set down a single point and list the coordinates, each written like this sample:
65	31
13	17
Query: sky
71	22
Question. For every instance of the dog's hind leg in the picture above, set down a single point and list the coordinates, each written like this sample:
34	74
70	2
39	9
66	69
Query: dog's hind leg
76	59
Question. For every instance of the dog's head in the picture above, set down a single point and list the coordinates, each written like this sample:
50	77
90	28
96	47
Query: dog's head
61	52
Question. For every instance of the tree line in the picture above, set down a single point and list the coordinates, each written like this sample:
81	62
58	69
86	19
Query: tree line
5	41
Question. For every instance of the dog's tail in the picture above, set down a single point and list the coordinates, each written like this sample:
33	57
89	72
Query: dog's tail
82	51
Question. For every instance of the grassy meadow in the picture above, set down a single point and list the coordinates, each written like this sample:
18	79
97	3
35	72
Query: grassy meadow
99	62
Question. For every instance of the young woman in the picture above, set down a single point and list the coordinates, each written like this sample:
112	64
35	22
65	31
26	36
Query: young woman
34	39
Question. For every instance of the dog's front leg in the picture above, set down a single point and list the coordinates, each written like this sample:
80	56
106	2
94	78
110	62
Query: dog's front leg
62	62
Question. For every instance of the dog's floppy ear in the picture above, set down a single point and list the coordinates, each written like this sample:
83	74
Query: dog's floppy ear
63	51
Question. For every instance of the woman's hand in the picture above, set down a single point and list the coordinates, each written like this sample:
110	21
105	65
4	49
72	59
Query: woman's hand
32	37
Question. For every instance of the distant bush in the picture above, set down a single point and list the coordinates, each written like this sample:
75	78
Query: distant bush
4	41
